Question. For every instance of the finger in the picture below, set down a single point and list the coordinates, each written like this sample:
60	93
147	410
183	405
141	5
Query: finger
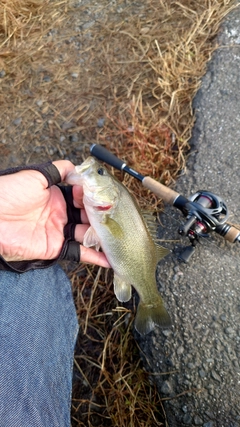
90	256
80	230
84	217
64	167
77	192
73	213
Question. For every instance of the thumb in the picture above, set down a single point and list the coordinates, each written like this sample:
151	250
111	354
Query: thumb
64	167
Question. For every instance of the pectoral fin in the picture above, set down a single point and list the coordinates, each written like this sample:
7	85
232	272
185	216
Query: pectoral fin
113	227
91	239
122	290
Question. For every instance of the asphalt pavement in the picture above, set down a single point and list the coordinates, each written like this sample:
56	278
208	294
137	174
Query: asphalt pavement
197	363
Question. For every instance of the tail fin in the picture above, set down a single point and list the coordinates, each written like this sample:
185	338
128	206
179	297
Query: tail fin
149	315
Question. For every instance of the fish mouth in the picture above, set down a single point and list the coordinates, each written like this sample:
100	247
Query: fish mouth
104	208
97	204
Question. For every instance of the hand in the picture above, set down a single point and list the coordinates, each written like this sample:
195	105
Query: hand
32	217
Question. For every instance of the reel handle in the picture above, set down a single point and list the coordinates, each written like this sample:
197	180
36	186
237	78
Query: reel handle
184	229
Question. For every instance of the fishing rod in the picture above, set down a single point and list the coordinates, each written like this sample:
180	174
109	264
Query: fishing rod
204	211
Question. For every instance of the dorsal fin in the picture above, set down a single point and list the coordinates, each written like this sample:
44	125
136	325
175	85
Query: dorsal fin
152	226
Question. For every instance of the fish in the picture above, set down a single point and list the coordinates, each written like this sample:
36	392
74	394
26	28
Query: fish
118	227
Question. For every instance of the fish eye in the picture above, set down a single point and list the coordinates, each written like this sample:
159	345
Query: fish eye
100	171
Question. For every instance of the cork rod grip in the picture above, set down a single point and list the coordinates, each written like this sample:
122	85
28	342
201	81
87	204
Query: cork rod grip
165	193
232	235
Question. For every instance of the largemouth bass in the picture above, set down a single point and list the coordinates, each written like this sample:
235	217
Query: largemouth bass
117	226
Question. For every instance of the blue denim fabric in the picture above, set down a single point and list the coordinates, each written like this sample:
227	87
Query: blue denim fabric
38	329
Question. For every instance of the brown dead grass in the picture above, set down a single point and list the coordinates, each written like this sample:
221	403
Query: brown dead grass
138	66
113	388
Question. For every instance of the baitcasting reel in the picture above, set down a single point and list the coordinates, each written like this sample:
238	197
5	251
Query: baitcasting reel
205	212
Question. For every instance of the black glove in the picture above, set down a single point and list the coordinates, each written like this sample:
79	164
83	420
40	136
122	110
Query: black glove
70	249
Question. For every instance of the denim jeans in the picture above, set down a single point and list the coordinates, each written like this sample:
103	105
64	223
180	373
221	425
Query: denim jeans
38	330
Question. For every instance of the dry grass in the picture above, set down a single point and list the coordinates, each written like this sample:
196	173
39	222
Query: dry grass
137	67
113	388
